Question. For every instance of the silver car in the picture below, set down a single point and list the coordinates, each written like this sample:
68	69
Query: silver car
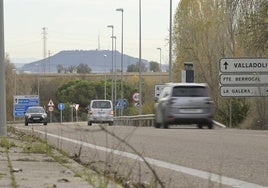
184	103
100	111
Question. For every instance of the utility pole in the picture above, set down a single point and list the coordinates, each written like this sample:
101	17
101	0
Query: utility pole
45	50
3	128
170	43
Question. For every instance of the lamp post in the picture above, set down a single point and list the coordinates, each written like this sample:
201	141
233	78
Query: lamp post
112	94
105	84
160	65
3	127
140	88
114	37
170	43
122	58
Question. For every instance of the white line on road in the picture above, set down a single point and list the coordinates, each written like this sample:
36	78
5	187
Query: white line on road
182	169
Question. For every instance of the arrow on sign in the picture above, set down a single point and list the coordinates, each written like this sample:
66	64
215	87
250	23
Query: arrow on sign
225	65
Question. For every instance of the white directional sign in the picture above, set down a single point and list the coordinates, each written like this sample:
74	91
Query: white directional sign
244	91
243	65
243	79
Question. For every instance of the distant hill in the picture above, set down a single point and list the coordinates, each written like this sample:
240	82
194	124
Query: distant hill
97	60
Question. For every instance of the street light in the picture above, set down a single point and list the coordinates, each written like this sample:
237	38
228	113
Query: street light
170	43
114	37
160	65
122	56
140	88
112	27
105	76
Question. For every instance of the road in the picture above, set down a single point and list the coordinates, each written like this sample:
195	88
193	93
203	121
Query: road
179	156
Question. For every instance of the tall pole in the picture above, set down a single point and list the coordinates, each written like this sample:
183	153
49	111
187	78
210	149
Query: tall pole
122	59
105	79
140	88
170	44
44	48
115	70
15	90
3	128
160	65
112	96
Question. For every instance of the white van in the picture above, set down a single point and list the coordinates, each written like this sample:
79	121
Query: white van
100	111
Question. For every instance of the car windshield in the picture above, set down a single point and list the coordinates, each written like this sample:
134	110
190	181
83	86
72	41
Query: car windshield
101	104
186	91
35	110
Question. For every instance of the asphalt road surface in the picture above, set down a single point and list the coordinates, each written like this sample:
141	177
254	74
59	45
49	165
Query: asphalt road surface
175	157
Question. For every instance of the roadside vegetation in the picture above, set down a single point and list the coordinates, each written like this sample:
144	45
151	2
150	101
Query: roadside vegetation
203	32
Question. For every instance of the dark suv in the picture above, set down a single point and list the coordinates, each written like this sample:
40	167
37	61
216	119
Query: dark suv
184	103
35	114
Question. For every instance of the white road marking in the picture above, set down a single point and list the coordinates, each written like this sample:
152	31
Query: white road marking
182	169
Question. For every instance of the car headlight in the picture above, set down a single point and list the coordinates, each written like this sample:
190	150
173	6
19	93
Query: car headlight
28	115
44	115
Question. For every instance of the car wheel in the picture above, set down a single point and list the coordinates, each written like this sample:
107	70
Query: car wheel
210	125
156	125
89	123
200	126
164	124
45	123
26	123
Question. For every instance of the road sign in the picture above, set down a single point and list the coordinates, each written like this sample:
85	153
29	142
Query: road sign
22	102
61	106
243	79
120	104
243	91
136	97
50	103
228	65
50	108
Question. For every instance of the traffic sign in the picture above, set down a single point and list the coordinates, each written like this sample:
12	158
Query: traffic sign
243	79
61	106
136	97
50	103
243	91
22	102
228	65
50	108
120	104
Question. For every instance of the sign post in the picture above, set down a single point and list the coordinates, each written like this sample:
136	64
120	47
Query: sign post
61	106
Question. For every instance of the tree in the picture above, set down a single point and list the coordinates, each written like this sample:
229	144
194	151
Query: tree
83	69
60	68
154	66
136	67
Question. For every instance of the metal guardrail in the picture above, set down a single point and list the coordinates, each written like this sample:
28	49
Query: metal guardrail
139	120
144	120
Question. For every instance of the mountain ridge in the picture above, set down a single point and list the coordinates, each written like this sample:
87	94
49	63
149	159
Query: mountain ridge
97	60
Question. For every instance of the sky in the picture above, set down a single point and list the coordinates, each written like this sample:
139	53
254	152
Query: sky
82	25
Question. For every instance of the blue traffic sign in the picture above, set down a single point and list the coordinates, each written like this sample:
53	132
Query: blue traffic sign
61	106
22	102
120	104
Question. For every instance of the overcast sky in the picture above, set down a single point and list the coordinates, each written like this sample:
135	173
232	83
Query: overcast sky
82	25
